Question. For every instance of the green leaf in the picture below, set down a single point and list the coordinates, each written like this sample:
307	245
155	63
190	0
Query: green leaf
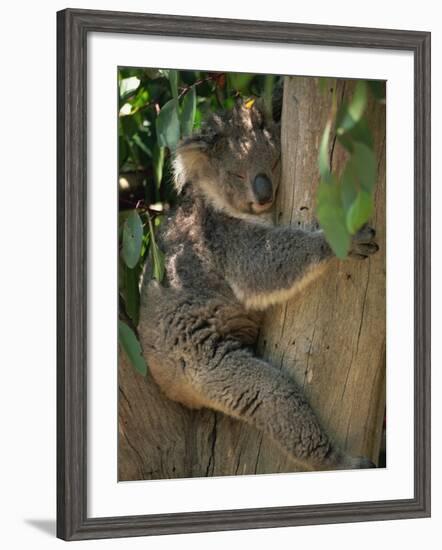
157	254
359	212
188	112
353	113
152	74
140	143
121	275
348	187
122	151
359	101
168	125
323	157
198	119
125	72
331	217
131	347
158	164
363	166
132	239
128	126
173	79
129	290
125	110
128	86
141	98
360	132
145	245
158	261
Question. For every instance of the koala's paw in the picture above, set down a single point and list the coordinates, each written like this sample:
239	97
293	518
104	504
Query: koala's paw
364	244
339	460
361	462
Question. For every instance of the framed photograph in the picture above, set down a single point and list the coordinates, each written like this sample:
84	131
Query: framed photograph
243	274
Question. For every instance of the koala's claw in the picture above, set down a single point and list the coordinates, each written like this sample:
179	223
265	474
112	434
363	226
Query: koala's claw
363	244
365	234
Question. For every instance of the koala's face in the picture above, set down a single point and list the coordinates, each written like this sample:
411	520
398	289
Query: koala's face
235	162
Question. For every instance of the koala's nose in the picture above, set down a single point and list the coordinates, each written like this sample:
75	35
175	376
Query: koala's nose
262	189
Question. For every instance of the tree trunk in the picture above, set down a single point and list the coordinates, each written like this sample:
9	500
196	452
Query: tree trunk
331	338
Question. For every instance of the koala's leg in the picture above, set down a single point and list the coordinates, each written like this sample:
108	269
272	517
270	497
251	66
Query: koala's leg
246	387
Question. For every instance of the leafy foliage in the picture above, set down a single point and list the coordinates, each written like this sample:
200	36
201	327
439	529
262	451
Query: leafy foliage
345	203
131	346
132	239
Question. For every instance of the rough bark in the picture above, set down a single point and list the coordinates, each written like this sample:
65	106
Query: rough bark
331	339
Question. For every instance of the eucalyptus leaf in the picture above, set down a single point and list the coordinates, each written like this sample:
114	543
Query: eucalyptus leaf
131	347
359	101
363	164
173	79
359	212
132	239
131	293
168	125
122	151
128	86
353	113
146	243
158	164
158	261
121	275
198	119
188	112
140	143
348	187
331	217
360	132
141	98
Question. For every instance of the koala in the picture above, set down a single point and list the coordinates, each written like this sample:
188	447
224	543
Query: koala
225	263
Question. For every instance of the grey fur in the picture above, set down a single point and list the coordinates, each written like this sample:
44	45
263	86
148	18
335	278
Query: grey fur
226	262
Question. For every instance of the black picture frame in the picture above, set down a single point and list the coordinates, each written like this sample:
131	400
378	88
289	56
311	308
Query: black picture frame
73	27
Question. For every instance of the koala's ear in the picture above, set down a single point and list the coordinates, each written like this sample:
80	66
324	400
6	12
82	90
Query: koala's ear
190	160
194	143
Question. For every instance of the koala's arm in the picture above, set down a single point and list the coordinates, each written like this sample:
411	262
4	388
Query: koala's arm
267	265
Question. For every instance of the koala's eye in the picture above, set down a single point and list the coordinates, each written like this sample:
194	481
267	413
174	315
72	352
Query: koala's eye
240	176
